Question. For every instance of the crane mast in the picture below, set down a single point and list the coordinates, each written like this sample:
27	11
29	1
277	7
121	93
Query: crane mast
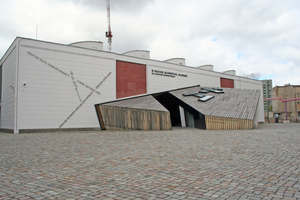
108	33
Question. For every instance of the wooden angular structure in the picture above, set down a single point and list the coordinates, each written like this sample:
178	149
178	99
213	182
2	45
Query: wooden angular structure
233	109
140	113
211	109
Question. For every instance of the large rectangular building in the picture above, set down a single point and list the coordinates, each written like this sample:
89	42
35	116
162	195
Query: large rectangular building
50	86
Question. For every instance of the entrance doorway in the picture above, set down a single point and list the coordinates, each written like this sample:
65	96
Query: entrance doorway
171	104
192	117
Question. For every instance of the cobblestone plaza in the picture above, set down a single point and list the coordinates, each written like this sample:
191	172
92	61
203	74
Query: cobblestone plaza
183	163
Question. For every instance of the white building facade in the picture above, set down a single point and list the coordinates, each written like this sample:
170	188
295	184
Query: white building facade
49	86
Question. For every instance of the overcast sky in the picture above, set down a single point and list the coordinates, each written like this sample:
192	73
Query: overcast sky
250	36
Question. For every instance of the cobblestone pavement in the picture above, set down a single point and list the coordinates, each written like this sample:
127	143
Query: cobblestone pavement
180	164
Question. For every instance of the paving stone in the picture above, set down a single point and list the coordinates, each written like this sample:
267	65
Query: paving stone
183	163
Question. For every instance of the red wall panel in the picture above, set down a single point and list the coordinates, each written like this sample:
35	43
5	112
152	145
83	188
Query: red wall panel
226	83
130	78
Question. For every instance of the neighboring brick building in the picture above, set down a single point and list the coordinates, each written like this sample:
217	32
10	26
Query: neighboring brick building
293	107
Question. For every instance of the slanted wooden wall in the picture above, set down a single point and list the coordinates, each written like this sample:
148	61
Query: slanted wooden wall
224	123
120	118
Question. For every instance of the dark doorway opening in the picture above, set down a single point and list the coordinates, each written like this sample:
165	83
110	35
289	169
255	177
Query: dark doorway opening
200	121
172	104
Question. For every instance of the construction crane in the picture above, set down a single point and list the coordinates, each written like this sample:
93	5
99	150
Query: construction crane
108	33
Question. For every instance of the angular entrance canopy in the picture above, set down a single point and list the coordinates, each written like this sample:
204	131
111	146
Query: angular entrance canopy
219	108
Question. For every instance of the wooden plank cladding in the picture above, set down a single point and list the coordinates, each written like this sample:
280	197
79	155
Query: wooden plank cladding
224	123
120	118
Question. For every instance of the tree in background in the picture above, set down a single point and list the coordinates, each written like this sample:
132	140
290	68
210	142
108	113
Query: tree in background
271	108
254	76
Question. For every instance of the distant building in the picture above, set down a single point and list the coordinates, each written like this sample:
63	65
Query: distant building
293	107
267	92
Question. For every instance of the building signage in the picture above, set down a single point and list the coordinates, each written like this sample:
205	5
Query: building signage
168	74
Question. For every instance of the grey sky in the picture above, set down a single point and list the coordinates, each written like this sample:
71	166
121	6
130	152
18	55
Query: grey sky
251	36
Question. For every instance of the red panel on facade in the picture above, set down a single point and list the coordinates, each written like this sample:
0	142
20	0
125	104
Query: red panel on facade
131	79
226	83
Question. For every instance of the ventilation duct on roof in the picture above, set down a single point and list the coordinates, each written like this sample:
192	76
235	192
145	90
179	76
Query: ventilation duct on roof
206	67
180	61
138	53
88	44
230	72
